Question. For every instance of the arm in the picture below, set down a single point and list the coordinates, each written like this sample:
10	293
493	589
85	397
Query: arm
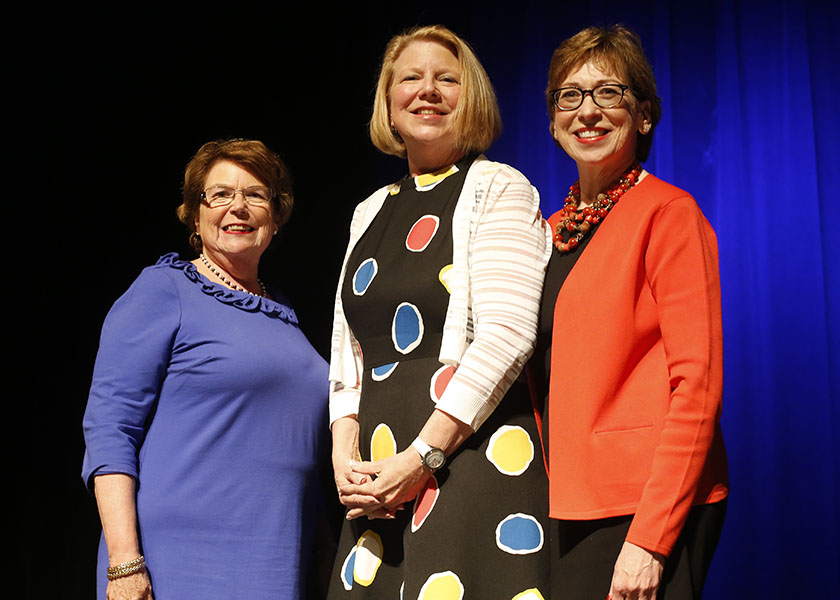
118	513
134	351
682	268
508	251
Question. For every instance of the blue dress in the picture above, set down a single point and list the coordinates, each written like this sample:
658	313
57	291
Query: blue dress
216	403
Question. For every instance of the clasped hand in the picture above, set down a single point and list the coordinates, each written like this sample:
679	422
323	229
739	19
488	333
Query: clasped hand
377	488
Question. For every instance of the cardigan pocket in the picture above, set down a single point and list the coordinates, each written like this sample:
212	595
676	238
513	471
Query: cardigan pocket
622	429
622	459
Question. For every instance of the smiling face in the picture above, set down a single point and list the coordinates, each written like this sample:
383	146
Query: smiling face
425	87
238	231
594	137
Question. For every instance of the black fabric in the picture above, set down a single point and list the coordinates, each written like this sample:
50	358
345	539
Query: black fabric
459	535
583	555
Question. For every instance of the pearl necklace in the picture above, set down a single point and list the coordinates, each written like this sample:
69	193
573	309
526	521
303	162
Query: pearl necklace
579	223
230	283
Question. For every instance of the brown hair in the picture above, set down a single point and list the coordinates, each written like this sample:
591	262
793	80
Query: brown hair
477	120
620	50
251	155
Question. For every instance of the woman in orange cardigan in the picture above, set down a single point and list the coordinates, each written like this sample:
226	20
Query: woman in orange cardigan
631	344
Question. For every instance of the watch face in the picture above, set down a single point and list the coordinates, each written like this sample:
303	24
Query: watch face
435	459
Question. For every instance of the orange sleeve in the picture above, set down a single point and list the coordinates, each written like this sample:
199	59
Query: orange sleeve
681	264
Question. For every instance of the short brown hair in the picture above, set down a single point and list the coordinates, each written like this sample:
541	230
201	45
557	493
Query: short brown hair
251	155
477	120
620	50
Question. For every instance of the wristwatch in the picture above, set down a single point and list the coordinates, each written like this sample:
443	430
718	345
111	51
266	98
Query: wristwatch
433	458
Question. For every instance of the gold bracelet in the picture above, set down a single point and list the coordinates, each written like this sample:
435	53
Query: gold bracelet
127	568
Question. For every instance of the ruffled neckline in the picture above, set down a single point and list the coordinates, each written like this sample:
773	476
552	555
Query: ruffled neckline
225	295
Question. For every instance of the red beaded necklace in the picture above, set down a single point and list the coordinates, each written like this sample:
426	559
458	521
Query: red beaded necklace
578	223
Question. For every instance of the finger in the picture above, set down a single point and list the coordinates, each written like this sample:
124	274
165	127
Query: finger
365	489
367	467
376	512
358	501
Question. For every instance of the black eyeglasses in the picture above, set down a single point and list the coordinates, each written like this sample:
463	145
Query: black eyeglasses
608	95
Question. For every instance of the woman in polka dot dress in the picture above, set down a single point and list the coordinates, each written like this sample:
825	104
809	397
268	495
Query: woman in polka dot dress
436	450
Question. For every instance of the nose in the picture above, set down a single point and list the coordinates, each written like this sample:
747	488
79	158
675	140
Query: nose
588	108
238	203
429	88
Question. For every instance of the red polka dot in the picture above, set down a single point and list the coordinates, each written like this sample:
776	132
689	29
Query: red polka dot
421	233
424	503
440	380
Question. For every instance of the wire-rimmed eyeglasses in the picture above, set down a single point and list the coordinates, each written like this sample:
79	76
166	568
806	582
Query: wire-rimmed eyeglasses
220	195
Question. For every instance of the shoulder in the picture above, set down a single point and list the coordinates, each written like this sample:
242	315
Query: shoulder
652	198
155	285
484	169
657	194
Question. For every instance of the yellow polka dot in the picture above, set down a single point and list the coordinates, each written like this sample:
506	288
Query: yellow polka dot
442	586
510	450
532	594
444	276
382	443
422	182
368	558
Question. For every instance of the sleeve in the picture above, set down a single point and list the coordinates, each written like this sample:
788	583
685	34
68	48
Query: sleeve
682	268
345	356
134	352
509	249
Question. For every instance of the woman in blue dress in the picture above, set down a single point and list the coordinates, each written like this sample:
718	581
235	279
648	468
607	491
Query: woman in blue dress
204	423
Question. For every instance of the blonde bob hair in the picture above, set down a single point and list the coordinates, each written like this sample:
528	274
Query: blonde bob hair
616	49
477	120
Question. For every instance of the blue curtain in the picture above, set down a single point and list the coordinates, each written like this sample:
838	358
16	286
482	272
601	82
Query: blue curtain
751	97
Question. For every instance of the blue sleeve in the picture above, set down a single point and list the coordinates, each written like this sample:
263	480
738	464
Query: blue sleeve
134	352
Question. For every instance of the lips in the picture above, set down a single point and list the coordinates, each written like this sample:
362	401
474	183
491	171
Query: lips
588	134
591	135
238	228
427	111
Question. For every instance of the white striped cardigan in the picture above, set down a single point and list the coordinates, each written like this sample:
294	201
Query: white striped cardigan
500	248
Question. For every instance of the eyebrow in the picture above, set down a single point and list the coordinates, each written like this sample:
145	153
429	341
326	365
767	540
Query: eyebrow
247	187
597	83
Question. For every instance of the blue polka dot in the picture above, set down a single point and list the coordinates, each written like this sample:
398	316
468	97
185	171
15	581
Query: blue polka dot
383	371
347	569
407	328
364	275
519	534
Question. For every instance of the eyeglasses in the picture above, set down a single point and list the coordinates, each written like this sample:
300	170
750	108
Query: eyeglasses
605	96
220	195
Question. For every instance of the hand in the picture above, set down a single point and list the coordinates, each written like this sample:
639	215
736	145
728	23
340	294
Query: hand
637	574
136	586
399	479
345	434
348	482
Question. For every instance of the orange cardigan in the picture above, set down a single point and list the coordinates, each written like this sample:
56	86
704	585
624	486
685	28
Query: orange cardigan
637	370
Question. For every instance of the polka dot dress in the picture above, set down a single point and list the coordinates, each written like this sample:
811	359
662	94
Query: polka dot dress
477	529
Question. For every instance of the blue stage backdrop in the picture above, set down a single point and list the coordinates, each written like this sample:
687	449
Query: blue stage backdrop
750	94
